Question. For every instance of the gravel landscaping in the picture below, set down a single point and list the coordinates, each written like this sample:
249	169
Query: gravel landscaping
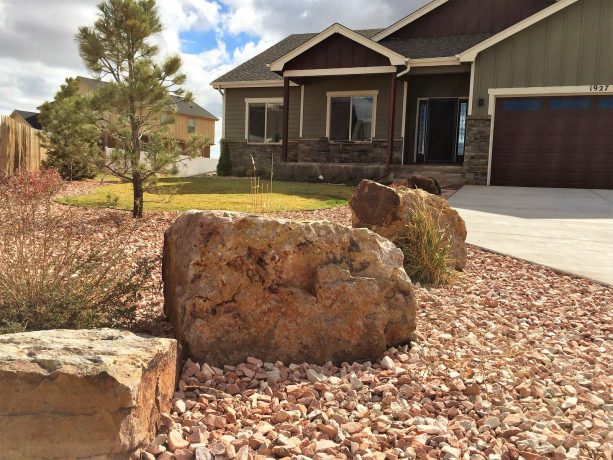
512	360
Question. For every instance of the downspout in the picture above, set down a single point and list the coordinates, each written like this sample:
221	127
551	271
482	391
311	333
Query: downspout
390	153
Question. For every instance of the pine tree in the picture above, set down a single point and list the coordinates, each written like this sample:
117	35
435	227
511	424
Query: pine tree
133	106
69	134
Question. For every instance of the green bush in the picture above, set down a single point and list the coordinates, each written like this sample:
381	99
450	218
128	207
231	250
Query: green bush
224	166
427	250
59	270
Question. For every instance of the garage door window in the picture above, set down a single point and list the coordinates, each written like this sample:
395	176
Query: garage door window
605	103
570	103
523	105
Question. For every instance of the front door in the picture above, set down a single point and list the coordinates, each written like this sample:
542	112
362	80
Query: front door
442	121
441	127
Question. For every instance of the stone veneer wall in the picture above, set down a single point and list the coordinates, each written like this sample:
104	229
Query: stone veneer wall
309	151
476	154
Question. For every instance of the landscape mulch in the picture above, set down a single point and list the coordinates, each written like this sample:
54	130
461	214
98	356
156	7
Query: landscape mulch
512	360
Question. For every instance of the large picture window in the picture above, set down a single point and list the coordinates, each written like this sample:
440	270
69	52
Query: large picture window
351	116
264	121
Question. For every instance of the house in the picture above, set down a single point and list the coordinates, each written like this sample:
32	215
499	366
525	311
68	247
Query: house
29	118
190	118
497	92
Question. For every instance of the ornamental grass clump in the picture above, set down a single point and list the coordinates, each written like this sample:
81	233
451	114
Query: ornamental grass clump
427	249
59	270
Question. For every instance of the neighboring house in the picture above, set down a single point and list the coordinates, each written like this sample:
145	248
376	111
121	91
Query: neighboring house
190	118
29	118
498	92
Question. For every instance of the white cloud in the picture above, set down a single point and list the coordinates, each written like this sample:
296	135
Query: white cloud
38	51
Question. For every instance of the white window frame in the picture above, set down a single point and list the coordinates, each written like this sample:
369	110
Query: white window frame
265	100
369	93
191	120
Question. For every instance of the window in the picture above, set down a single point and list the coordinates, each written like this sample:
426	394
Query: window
351	117
522	105
463	109
422	128
605	103
264	122
570	103
191	126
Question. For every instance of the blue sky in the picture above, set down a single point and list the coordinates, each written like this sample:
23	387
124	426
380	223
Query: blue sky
38	51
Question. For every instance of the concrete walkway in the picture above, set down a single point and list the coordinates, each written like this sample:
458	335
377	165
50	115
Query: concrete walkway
567	230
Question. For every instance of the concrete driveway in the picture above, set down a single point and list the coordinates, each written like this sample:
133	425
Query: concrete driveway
566	229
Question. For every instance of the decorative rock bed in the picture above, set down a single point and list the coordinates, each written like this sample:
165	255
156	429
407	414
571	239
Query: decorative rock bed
82	394
237	286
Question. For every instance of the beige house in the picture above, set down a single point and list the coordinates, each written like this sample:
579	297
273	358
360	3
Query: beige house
190	118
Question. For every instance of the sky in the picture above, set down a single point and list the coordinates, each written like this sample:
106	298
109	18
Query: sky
38	51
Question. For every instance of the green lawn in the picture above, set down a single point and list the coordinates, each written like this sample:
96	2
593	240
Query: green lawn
206	193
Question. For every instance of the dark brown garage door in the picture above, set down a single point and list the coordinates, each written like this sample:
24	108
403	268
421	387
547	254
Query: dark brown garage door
553	142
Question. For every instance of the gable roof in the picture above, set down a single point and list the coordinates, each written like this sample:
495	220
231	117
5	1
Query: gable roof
183	108
257	70
471	54
31	118
395	58
414	16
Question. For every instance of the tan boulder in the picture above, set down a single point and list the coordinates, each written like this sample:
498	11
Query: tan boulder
386	211
237	286
82	394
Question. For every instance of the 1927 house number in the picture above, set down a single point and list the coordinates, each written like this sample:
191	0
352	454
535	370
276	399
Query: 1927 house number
599	88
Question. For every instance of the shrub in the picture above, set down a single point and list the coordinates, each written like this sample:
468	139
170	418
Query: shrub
427	250
224	166
58	270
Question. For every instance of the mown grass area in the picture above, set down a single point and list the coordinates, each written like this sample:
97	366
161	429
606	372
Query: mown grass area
208	193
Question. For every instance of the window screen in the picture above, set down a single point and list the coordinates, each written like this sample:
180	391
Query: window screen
257	122
351	118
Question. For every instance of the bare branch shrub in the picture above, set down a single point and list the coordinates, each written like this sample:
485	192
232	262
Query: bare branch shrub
58	270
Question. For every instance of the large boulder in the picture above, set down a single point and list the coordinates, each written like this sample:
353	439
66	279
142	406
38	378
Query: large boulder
237	285
82	394
386	211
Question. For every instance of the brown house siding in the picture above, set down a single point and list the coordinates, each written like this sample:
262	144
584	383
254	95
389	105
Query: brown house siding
234	118
460	17
570	48
337	51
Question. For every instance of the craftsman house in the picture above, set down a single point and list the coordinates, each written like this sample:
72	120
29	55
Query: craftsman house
190	118
500	92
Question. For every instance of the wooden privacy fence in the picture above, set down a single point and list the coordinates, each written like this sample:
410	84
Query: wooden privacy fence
20	147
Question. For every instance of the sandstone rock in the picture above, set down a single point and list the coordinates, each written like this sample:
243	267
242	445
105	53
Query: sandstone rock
82	394
386	211
238	285
427	184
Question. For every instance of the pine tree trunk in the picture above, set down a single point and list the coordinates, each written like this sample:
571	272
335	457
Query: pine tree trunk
137	185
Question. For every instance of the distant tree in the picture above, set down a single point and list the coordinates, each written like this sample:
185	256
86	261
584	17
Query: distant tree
69	134
132	107
224	165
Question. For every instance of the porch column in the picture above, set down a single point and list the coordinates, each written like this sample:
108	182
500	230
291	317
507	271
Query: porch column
392	113
285	145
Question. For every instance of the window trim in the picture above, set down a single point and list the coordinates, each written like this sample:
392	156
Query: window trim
261	100
366	93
